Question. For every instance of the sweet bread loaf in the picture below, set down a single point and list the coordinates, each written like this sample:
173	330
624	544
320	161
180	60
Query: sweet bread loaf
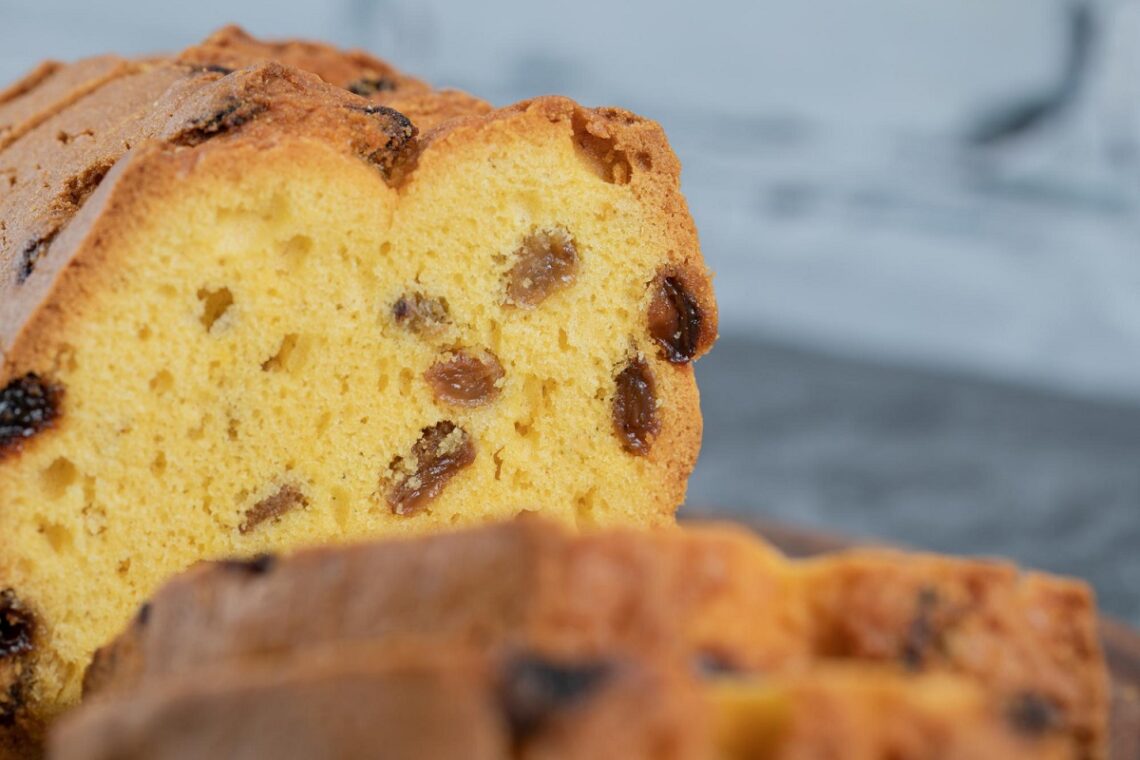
418	700
243	310
714	598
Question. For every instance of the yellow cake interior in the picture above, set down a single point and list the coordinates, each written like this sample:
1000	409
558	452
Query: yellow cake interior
239	343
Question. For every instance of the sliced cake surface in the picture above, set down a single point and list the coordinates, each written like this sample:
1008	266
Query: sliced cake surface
712	599
246	304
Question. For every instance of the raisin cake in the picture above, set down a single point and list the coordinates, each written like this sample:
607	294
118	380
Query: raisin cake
247	304
714	598
419	700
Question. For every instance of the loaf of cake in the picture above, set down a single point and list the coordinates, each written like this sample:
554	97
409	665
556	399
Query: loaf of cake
417	700
712	598
246	304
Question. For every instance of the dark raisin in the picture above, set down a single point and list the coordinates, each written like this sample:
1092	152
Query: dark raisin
922	635
233	113
420	314
30	256
28	405
259	564
285	499
143	615
440	453
1033	714
675	321
534	689
547	261
215	68
465	379
17	625
710	663
635	408
366	86
12	699
399	146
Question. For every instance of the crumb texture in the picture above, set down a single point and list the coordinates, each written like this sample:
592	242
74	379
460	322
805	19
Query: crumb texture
247	304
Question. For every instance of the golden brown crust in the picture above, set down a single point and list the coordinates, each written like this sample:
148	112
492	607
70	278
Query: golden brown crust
52	87
231	47
193	106
1022	633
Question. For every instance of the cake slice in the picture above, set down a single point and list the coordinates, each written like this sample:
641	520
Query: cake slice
416	699
711	598
244	310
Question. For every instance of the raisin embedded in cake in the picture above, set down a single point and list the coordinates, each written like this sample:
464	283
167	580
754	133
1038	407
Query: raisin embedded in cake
265	294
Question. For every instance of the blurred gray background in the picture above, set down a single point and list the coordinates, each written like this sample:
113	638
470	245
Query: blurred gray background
924	219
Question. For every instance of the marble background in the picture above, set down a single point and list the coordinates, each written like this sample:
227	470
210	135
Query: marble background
923	217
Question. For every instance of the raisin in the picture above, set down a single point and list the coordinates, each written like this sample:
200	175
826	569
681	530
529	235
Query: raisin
400	145
635	408
12	700
420	314
598	149
366	86
233	113
259	564
675	321
1033	714
922	635
441	452
464	379
547	261
285	499
30	256
17	626
710	663
28	405
143	616
214	68
534	689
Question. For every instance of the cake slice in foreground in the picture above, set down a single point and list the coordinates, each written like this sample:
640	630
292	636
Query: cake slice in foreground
406	700
712	599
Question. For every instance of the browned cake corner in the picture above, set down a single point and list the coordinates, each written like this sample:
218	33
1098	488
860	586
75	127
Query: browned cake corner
260	295
714	599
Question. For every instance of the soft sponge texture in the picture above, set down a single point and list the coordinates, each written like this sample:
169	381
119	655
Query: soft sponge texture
285	322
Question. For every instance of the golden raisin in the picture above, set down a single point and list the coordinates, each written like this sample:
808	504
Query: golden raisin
546	262
441	452
675	321
464	379
635	408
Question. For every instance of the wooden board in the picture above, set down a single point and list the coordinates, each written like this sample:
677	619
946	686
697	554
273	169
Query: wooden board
1121	643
